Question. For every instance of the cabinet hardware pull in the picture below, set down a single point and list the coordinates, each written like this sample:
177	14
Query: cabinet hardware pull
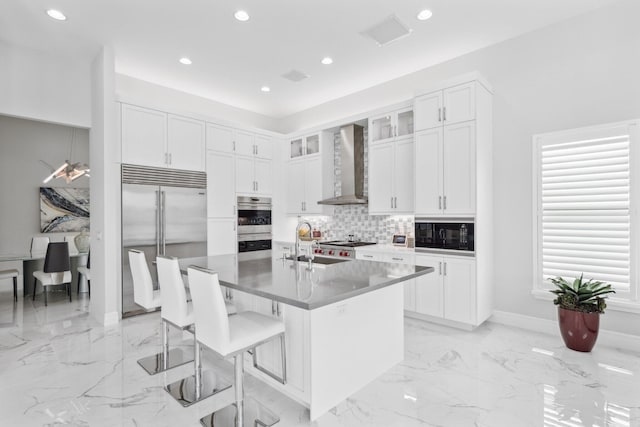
397	259
233	210
368	256
439	114
234	146
440	269
257	186
395	202
445	268
391	202
445	202
395	130
444	114
166	158
278	312
439	202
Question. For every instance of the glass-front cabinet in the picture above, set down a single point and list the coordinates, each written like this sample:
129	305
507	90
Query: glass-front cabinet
389	126
305	146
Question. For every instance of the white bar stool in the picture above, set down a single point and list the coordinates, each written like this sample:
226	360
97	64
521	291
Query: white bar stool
149	299
178	312
231	336
11	274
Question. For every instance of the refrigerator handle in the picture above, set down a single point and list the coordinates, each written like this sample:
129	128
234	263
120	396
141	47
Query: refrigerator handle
157	223
164	222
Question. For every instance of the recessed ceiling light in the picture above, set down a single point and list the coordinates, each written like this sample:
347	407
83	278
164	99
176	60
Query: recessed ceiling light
185	61
327	61
56	14
241	15
265	89
424	15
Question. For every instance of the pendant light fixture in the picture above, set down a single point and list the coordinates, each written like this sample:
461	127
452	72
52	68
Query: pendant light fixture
69	171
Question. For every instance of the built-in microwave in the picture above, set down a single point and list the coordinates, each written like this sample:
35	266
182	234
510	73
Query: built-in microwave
445	234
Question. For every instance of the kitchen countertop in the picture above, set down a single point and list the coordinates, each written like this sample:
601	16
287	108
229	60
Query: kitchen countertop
292	283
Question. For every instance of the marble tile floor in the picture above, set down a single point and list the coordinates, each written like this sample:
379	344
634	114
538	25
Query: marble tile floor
59	367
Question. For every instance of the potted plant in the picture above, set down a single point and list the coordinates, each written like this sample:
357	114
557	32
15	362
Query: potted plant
579	307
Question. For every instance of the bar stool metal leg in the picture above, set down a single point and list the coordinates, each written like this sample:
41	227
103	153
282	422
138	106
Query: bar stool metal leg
198	386
167	359
238	370
15	289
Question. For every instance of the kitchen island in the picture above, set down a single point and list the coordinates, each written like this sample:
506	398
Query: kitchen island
344	321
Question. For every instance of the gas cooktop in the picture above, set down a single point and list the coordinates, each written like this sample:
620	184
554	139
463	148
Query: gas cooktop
346	244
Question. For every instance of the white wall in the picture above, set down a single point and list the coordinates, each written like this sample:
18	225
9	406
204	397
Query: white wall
581	72
135	91
45	87
23	143
105	196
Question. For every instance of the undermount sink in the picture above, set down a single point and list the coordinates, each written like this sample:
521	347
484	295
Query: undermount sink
322	260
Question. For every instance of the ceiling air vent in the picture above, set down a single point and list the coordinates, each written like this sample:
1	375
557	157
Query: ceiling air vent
389	30
295	76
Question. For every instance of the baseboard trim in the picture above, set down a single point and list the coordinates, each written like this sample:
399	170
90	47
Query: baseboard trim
605	337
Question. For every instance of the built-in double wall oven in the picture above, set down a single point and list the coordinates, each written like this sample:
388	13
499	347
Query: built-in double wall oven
254	227
447	235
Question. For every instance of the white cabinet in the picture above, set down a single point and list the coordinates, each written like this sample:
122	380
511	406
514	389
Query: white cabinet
446	176
254	176
155	138
220	138
309	177
444	107
394	257
450	291
305	145
221	192
391	177
186	142
390	126
144	136
221	236
253	145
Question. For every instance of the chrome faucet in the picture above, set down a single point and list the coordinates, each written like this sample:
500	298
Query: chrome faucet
298	228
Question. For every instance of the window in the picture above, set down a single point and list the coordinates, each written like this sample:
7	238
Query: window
585	192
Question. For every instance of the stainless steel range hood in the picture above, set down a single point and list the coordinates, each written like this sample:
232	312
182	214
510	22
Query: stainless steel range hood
352	173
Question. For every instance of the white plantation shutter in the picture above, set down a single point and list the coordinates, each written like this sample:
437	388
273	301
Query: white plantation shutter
584	205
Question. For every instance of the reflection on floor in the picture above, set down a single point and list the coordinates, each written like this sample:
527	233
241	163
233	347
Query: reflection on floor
58	367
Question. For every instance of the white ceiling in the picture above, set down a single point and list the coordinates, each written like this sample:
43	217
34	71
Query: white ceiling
232	60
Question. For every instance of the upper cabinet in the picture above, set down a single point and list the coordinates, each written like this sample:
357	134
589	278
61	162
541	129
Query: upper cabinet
391	178
154	138
390	126
305	145
241	142
445	107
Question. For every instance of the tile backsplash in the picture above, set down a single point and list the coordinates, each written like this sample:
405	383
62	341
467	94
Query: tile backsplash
355	219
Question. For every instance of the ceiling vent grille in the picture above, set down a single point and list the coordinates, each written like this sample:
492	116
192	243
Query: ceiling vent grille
387	31
295	76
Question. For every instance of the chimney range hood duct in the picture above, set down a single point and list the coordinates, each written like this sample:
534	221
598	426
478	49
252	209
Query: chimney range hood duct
352	174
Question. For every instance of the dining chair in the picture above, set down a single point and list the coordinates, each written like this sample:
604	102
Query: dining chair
56	271
39	245
230	336
85	270
177	311
143	293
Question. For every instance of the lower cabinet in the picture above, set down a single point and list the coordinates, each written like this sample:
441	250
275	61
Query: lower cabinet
395	258
450	291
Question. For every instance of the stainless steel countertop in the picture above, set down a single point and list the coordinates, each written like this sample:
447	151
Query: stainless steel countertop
292	283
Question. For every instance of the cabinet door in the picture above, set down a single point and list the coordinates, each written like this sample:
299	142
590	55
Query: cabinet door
381	178
245	178
295	176
381	128
430	287
221	189
403	125
313	185
459	169
297	148
220	138
312	144
144	136
264	147
459	290
245	143
459	104
186	143
428	181
404	176
409	285
264	176
221	236
427	110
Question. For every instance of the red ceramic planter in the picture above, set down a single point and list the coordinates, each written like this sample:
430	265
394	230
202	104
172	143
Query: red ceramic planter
579	330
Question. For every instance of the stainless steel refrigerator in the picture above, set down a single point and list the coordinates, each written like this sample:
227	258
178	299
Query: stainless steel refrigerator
164	212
